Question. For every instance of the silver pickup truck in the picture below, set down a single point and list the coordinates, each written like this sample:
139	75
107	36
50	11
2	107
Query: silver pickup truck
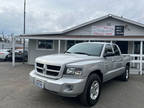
81	70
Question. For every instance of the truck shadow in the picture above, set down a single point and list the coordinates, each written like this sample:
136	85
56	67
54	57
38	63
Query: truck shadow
75	102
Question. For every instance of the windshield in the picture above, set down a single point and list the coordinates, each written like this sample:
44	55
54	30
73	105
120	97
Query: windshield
91	49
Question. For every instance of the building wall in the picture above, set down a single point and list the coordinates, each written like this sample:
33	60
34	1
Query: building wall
34	52
130	29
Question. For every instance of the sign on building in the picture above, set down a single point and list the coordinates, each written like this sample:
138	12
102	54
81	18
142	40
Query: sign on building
119	30
103	30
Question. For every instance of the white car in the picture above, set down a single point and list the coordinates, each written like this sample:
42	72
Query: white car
4	53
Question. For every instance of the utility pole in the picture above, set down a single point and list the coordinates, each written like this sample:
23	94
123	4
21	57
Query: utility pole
13	49
24	16
24	29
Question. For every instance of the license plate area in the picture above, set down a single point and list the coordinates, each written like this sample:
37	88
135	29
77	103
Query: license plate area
39	83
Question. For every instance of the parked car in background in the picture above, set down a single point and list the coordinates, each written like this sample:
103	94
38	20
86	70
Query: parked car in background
81	71
19	56
4	53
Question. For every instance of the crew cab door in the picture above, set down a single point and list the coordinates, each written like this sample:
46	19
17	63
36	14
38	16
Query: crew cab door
117	61
108	61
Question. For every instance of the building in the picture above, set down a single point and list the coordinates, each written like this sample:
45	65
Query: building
128	34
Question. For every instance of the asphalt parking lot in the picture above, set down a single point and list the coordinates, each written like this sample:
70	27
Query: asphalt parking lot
16	91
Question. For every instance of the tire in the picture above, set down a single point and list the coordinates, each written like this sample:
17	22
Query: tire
6	58
86	97
125	75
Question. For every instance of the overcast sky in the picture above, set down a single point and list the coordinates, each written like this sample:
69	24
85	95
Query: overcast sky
56	15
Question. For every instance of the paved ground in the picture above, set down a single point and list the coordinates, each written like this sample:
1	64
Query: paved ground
16	91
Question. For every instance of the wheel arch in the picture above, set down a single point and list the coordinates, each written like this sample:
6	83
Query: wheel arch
99	73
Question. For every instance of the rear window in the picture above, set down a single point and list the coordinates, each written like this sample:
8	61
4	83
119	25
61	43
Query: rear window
116	50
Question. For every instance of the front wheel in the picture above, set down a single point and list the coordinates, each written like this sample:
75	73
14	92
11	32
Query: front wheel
92	90
125	75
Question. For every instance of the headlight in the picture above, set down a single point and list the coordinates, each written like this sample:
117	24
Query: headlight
73	71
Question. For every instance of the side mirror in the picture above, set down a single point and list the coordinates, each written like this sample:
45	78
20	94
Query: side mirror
65	51
108	54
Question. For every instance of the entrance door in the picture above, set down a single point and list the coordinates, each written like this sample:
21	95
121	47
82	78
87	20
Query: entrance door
123	45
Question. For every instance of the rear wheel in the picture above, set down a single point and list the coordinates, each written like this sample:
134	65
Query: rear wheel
125	75
92	91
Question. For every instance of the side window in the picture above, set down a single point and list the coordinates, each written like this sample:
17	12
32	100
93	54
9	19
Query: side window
116	50
108	49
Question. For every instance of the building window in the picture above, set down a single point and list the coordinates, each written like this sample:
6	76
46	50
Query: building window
119	30
70	43
123	45
45	44
136	47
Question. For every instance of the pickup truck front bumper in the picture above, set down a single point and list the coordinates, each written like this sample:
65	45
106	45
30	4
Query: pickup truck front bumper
64	86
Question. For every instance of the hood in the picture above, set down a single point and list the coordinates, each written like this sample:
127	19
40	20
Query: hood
60	59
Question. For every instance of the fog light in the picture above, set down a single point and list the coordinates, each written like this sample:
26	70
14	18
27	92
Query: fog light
69	87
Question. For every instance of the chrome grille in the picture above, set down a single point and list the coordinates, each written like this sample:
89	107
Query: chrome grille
48	70
39	70
39	67
53	67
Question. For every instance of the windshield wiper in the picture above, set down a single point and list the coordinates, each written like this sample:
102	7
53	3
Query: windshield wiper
81	53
